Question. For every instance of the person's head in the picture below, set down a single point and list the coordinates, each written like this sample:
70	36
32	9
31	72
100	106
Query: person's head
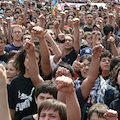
69	19
20	19
18	9
88	38
17	31
97	111
12	70
26	37
116	78
99	36
8	12
52	109
89	18
2	43
86	60
96	27
66	66
50	25
45	90
105	59
107	29
82	8
69	40
21	60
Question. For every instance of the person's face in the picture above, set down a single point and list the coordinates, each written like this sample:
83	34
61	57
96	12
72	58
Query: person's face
118	78
26	60
17	33
70	18
89	19
26	38
98	39
96	28
8	13
49	114
19	20
2	45
85	68
41	97
68	42
11	71
89	39
105	63
94	116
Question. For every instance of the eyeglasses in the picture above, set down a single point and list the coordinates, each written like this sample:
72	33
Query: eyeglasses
86	65
17	32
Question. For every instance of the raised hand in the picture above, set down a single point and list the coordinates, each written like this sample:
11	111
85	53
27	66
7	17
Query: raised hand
29	45
76	22
38	32
76	64
62	14
111	115
111	40
63	71
64	84
97	47
56	24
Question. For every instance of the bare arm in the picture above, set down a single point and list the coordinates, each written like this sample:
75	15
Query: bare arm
25	11
55	47
93	70
33	65
45	63
66	86
76	23
4	109
111	41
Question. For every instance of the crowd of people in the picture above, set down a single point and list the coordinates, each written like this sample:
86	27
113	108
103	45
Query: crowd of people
59	62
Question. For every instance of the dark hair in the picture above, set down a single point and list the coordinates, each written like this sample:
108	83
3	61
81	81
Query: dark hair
82	58
65	65
26	33
47	86
20	59
104	54
55	105
114	61
115	77
107	29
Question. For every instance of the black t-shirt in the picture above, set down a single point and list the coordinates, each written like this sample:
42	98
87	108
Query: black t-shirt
30	117
21	97
4	57
71	57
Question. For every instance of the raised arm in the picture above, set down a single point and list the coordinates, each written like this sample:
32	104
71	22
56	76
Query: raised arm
4	109
25	11
111	41
58	53
93	70
33	65
45	63
76	23
65	85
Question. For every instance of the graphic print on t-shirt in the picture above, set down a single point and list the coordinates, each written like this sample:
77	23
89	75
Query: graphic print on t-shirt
26	100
